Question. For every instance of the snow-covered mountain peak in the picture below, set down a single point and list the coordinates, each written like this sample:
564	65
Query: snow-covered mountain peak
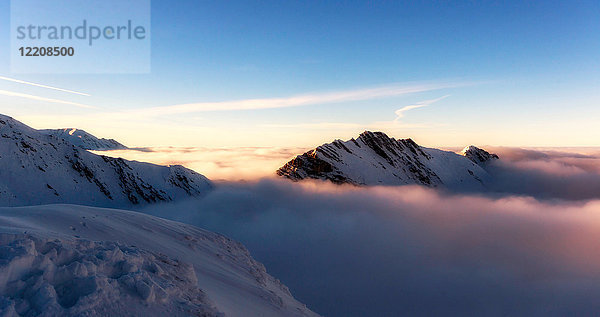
377	159
380	142
477	155
37	168
84	140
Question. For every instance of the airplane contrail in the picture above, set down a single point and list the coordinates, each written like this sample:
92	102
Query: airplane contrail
43	86
38	98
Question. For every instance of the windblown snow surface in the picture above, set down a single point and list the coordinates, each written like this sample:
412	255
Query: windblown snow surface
66	260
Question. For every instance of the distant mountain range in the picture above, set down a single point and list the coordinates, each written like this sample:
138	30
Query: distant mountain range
84	140
376	159
54	166
38	167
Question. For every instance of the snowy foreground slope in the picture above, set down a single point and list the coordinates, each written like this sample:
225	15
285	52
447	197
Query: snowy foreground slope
84	140
36	168
67	260
376	159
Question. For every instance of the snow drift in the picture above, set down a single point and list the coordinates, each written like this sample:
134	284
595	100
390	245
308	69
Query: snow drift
55	277
71	261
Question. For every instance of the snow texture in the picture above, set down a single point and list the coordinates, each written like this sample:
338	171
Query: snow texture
53	277
83	261
36	168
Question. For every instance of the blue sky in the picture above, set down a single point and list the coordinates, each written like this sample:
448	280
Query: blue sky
516	73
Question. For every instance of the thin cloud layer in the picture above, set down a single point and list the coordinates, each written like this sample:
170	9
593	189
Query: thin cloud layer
249	163
300	100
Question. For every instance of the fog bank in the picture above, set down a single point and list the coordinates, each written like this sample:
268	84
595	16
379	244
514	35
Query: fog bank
349	251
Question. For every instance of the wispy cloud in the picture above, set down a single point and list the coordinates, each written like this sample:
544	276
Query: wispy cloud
317	125
44	99
43	86
378	125
400	112
301	100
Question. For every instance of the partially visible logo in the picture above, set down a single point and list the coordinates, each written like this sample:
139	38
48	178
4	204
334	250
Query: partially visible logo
92	36
89	33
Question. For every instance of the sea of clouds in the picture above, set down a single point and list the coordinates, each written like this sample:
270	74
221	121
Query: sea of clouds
547	174
528	246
